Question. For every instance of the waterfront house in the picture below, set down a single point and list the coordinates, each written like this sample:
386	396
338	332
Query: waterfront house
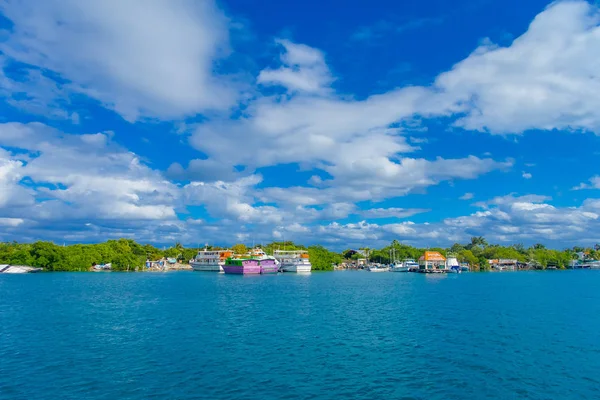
432	261
504	264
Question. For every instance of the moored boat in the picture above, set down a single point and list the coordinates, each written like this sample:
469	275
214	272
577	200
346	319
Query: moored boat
268	266
399	267
452	265
293	261
17	269
210	260
241	266
406	266
377	268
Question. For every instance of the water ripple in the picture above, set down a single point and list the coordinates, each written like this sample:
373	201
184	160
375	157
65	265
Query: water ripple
349	335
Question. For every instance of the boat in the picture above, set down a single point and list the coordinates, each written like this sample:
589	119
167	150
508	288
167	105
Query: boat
258	254
102	267
377	268
210	260
17	269
293	260
464	267
268	266
253	266
452	265
398	267
405	266
241	266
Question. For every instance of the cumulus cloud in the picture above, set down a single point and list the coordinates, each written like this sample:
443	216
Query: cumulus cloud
467	196
140	58
594	183
304	69
548	78
527	175
392	212
78	177
357	149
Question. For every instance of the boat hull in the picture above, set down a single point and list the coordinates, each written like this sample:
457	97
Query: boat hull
242	269
268	267
378	269
17	269
299	268
399	269
206	267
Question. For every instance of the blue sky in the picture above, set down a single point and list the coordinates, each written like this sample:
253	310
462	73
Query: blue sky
319	122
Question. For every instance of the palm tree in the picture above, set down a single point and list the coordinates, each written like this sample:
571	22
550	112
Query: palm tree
478	241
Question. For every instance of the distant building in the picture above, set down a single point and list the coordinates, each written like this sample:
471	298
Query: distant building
432	261
504	264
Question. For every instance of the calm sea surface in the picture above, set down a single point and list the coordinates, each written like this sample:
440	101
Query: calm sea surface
354	335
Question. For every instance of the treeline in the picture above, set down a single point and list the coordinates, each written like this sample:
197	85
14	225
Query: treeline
126	254
478	251
123	254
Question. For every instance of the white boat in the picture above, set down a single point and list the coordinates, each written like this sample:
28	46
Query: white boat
452	265
377	268
293	260
405	266
17	269
102	267
210	260
258	254
399	267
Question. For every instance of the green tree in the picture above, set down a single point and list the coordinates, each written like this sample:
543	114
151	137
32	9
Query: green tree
239	248
323	259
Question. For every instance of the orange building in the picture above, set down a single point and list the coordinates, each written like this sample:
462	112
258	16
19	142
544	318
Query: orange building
432	261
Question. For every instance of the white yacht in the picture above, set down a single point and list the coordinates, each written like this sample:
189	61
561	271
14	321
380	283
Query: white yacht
452	265
210	260
293	260
17	269
405	266
259	254
377	268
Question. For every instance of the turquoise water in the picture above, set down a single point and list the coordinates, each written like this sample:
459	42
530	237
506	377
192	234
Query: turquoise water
354	335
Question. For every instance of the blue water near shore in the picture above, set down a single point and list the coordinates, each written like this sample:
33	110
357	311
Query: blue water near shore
353	335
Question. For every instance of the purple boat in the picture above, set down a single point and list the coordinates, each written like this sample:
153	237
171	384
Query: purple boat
268	266
241	267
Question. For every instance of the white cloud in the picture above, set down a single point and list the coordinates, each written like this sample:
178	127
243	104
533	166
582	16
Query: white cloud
79	177
350	140
467	196
12	222
141	58
392	212
547	79
527	175
594	183
356	149
303	69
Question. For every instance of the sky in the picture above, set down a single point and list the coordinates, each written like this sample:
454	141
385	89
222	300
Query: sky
340	123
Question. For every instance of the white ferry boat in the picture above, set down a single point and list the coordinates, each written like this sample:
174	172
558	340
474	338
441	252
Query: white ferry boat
293	260
210	260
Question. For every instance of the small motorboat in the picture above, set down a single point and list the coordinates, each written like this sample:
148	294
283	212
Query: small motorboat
377	268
